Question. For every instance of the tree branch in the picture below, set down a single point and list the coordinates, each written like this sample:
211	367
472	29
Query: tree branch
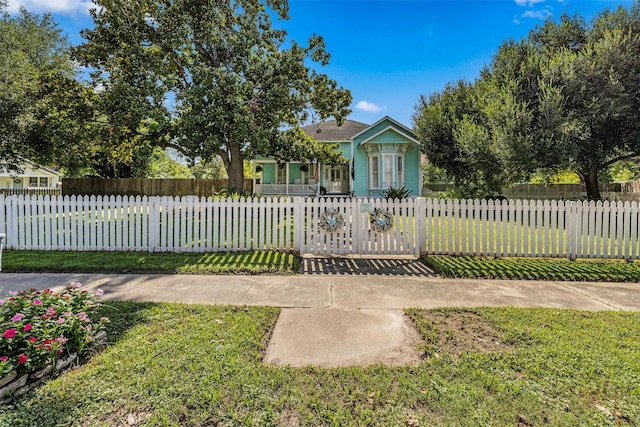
617	159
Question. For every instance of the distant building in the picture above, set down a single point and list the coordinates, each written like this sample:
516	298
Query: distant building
32	177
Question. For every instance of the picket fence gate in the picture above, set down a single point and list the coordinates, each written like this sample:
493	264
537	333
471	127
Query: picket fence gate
323	226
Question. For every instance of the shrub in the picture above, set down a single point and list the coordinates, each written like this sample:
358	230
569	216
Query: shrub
38	327
396	193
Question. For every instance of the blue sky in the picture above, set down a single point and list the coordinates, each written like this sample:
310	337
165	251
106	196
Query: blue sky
389	52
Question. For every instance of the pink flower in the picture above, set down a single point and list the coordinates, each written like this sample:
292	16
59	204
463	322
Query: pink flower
89	327
68	314
76	285
60	320
9	333
17	317
33	339
22	359
62	340
99	292
51	311
27	327
4	358
37	302
1	301
83	316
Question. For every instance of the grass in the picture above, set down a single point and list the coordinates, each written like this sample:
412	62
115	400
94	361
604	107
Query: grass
193	365
285	263
143	262
535	268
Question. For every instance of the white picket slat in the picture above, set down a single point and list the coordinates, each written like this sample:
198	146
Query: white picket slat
455	227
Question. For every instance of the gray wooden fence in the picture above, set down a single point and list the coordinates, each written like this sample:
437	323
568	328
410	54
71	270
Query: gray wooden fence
174	187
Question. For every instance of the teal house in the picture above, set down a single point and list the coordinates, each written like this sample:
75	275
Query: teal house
383	155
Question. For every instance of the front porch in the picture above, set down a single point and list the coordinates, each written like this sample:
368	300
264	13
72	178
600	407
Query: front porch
285	189
299	179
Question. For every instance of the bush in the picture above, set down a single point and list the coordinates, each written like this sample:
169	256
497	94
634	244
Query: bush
38	327
396	193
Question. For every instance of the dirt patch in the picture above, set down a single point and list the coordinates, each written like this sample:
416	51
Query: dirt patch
456	332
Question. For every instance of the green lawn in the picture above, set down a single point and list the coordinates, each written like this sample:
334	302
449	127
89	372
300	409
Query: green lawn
270	262
535	268
194	365
144	262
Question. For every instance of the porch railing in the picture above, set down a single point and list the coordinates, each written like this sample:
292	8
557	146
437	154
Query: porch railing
286	189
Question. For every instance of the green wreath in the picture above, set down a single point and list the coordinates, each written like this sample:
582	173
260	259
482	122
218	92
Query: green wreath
381	220
331	220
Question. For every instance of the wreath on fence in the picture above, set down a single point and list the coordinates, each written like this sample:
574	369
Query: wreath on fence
381	220
331	220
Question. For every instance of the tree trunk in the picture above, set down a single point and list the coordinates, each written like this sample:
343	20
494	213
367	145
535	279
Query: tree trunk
591	184
235	169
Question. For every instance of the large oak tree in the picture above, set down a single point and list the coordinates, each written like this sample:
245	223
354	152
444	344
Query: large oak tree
565	97
209	78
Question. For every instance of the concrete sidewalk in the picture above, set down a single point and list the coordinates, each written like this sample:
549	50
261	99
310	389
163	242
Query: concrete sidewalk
336	320
337	291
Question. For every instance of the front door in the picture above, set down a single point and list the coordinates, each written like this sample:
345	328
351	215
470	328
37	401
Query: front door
335	179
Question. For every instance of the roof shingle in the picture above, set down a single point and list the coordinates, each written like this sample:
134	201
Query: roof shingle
329	131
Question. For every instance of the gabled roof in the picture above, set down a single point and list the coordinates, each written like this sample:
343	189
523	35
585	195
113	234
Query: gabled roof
28	163
383	125
329	131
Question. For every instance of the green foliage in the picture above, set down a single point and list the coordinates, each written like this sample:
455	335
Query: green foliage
38	327
565	97
162	165
232	83
226	193
561	177
396	193
535	269
33	53
434	175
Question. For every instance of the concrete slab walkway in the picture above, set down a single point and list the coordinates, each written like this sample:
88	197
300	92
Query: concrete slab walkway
355	292
336	320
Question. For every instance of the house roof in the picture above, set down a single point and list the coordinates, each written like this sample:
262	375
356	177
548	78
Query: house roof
26	163
329	131
390	124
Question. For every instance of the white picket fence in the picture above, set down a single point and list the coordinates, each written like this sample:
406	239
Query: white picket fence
420	226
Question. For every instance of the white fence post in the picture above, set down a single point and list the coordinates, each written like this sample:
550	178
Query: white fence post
420	218
3	215
298	224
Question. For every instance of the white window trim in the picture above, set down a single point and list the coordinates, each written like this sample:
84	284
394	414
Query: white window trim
374	159
398	177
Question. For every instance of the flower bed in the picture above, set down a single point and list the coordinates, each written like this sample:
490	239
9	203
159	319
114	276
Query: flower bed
44	332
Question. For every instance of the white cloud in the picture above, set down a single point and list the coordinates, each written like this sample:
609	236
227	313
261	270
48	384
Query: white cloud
54	6
537	14
369	107
528	3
